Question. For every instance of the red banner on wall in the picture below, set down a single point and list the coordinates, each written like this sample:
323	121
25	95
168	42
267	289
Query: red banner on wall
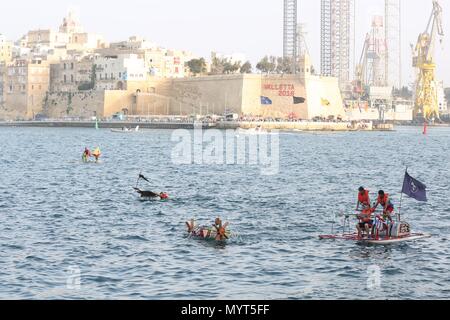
283	90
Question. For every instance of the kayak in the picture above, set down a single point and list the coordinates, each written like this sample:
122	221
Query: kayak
377	241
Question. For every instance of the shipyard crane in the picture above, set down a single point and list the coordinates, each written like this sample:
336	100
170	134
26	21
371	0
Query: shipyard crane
423	59
360	72
368	71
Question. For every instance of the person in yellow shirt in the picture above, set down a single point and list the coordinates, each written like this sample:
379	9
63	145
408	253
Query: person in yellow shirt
97	154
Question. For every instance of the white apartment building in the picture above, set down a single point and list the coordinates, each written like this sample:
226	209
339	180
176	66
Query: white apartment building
114	71
167	63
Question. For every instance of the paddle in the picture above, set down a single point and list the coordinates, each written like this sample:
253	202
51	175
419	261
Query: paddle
139	178
143	178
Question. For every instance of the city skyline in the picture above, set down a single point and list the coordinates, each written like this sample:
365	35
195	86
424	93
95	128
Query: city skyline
256	29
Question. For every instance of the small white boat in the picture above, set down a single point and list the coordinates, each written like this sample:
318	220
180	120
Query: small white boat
125	130
257	130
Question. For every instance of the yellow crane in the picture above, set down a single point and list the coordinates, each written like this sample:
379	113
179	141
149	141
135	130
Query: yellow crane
423	59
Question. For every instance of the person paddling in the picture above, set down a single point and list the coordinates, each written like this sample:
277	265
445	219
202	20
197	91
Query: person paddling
221	230
365	222
97	154
86	154
164	196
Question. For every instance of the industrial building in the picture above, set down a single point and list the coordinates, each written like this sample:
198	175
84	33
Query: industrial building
290	29
393	59
336	39
338	35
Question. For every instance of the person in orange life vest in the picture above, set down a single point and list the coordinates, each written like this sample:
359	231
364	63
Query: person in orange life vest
363	199
385	201
365	217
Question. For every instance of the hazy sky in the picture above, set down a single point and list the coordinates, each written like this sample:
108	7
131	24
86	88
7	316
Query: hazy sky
253	27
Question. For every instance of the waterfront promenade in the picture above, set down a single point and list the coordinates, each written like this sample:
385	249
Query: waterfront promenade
172	125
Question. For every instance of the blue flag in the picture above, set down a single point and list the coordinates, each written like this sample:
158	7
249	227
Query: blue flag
414	188
265	100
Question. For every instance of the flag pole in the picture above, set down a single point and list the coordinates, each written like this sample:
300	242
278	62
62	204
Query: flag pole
401	199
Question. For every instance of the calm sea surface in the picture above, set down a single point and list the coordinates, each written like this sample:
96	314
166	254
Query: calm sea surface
70	230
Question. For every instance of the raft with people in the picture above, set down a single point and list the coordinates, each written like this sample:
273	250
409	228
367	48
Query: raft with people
383	228
216	232
382	233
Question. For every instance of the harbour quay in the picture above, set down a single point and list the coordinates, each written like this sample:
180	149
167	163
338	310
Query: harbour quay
189	125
